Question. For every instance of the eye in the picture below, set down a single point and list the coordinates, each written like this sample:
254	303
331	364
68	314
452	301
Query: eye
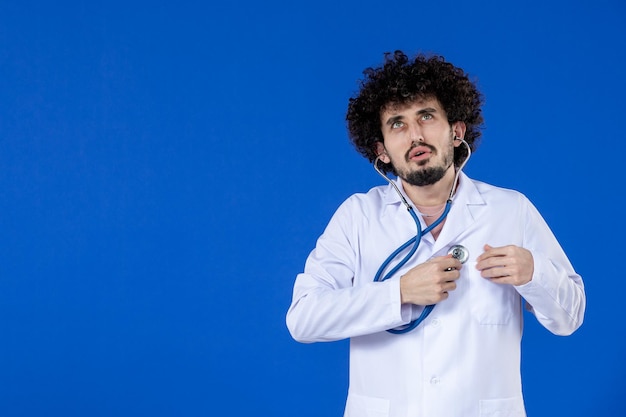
427	116
397	125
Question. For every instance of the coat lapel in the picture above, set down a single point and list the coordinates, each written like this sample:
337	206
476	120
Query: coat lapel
466	205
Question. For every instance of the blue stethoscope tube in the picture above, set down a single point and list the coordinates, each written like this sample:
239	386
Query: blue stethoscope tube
415	241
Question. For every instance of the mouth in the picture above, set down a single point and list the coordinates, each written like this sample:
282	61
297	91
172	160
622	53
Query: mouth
419	153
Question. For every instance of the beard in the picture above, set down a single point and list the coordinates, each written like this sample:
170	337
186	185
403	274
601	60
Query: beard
430	175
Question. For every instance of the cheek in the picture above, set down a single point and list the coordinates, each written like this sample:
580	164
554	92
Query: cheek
396	144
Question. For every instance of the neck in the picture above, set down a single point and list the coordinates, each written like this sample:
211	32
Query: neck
431	195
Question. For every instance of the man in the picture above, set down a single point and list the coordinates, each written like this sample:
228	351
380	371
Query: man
418	119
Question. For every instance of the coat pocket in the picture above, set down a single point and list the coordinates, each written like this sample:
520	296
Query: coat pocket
492	304
503	407
363	406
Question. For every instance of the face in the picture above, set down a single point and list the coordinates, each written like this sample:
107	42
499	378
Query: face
419	141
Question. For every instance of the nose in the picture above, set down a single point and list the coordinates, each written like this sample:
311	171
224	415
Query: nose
415	133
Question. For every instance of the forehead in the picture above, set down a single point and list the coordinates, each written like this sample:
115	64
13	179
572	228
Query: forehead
394	108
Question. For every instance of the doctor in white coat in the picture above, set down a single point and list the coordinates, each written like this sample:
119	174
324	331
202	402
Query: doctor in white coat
418	116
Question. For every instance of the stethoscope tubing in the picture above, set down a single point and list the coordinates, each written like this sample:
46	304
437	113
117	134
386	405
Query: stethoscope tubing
415	241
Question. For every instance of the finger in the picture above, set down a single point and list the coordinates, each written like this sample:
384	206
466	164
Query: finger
495	255
437	259
451	275
445	291
445	263
497	272
453	268
452	263
506	280
496	251
488	253
491	262
450	286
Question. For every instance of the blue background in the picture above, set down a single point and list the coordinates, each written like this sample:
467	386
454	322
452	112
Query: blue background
166	167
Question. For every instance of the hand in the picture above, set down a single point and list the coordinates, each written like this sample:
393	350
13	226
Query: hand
430	282
506	265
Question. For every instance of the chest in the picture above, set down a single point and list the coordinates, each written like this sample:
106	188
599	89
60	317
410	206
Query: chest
380	240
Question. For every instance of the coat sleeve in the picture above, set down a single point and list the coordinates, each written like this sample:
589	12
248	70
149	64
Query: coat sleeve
327	305
556	294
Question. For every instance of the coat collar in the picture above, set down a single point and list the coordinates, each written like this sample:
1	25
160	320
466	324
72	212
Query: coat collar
467	204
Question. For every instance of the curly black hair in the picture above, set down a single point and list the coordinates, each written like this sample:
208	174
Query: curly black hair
401	81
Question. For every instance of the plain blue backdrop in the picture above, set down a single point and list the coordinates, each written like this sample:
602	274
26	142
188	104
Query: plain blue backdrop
166	167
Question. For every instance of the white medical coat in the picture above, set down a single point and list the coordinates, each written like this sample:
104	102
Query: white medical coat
464	359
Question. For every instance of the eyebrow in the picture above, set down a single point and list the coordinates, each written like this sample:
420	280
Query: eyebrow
427	110
393	119
399	117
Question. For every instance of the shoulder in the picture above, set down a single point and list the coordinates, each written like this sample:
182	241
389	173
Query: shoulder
496	198
355	212
364	203
373	199
492	193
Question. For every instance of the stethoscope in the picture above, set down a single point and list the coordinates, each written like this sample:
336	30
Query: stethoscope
457	251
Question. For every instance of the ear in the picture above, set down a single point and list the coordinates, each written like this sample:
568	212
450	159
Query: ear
382	153
459	129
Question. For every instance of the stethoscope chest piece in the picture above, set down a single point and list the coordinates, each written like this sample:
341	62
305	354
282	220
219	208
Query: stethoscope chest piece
459	252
